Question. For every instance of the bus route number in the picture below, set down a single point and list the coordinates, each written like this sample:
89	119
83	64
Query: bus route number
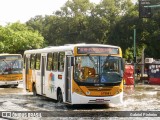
105	93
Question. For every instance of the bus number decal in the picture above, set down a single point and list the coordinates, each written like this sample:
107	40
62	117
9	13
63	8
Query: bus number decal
105	93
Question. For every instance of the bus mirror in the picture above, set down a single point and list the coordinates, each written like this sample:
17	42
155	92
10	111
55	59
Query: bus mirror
121	73
123	64
72	61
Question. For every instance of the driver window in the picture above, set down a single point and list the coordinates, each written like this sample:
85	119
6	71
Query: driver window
111	66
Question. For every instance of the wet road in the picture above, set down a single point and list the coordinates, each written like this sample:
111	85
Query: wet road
140	98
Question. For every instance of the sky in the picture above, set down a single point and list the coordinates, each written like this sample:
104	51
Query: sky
22	10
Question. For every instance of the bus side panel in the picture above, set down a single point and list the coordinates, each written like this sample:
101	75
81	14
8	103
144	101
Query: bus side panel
59	83
38	81
49	87
53	81
50	80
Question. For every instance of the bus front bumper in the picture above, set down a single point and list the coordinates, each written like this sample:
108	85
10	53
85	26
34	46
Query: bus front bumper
79	99
11	82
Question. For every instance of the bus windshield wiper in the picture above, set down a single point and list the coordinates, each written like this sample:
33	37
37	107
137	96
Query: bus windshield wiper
5	62
92	60
14	63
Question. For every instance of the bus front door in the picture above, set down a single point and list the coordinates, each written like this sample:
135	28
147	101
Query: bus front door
43	75
27	73
68	79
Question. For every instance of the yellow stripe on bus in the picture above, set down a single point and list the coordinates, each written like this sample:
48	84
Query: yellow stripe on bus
11	77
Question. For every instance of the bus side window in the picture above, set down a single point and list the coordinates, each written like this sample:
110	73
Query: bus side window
24	61
55	61
38	59
49	61
32	60
61	61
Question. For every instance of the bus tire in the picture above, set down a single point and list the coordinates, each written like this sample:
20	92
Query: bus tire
34	89
60	97
16	85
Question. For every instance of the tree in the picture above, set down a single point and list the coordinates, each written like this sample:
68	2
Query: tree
109	22
16	37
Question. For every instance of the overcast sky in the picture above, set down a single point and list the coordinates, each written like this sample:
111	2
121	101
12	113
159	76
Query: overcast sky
22	10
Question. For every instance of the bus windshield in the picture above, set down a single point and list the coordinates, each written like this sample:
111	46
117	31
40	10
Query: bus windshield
10	64
97	69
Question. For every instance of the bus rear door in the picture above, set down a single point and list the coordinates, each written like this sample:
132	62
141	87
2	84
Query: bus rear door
27	73
43	69
68	78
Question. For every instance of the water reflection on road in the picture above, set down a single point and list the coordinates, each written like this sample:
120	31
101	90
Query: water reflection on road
138	98
141	97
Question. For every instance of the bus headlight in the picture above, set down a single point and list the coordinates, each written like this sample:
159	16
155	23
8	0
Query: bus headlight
118	91
88	93
78	91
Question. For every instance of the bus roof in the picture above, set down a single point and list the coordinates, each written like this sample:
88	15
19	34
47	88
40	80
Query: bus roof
66	47
8	54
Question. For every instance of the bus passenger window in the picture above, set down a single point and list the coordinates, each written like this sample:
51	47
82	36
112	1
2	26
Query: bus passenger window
55	61
38	59
61	61
110	66
49	61
32	60
24	61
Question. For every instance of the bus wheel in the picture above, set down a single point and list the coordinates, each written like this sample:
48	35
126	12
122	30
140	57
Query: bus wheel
60	97
34	89
16	85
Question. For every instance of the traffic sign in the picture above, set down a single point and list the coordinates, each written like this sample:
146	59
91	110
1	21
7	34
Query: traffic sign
144	12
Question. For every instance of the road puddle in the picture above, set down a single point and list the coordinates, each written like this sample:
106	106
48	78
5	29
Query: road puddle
141	97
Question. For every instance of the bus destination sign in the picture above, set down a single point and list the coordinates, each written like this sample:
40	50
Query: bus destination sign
97	50
8	57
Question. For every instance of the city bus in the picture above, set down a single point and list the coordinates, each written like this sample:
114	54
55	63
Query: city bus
76	73
11	69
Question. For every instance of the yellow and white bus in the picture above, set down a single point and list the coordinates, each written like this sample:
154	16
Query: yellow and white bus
76	73
11	69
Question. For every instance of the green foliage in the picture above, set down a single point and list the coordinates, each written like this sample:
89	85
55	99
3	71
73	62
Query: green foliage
128	54
109	22
16	37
